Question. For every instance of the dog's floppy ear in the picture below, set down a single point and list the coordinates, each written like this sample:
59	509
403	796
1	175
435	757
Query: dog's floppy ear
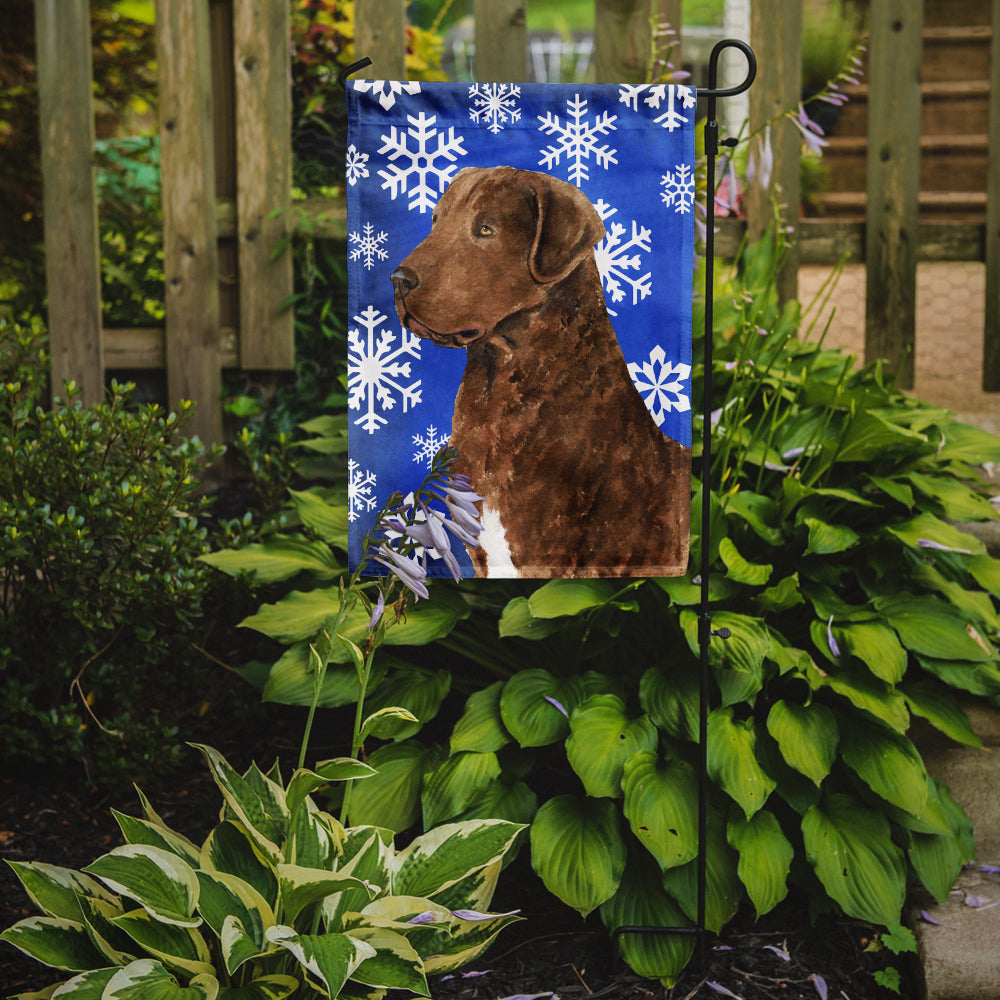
567	228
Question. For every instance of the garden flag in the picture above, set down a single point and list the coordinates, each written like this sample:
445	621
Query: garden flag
520	270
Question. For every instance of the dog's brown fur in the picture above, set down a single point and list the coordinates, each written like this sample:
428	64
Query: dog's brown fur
548	425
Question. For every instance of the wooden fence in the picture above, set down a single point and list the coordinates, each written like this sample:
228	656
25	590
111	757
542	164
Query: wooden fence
226	160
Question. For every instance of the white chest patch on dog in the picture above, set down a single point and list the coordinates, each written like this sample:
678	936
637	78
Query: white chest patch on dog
493	540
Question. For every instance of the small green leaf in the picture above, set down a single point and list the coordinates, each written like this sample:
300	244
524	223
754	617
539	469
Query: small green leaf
765	858
739	569
807	736
828	539
732	760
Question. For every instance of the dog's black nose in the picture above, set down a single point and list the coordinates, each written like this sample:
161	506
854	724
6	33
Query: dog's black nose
404	280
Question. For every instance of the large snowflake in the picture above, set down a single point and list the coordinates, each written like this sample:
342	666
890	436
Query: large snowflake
419	165
367	246
385	90
375	372
428	445
653	96
662	384
577	139
615	262
360	490
678	188
494	104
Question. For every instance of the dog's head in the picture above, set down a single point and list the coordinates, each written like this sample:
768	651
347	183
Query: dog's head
499	238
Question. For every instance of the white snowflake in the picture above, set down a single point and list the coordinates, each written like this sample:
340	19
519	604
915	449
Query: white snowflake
662	384
375	371
368	246
360	490
678	186
428	445
577	139
414	176
385	90
357	165
494	104
671	119
616	264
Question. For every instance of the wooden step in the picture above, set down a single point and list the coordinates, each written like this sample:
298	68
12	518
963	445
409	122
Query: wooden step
957	206
956	53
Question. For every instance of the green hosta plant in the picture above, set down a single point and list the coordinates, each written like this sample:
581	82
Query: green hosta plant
279	900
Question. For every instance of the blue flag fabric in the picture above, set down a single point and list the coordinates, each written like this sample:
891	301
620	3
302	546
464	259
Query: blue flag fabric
552	294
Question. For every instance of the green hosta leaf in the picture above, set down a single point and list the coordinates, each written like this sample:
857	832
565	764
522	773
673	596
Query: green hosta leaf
279	558
661	798
876	646
641	901
931	628
391	798
275	987
850	848
558	598
180	948
937	858
517	620
893	488
530	706
976	678
54	941
141	831
438	859
888	763
957	501
481	728
230	849
330	959
941	709
159	881
975	605
225	897
928	528
986	572
828	539
327	520
456	784
783	595
965	443
732	760
578	851
56	891
765	858
741	571
602	738
758	511
292	680
516	803
684	592
723	889
415	689
864	692
738	661
870	436
147	979
395	964
671	699
807	736
301	887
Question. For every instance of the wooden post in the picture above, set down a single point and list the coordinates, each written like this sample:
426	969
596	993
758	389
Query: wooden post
262	60
190	254
776	35
501	41
72	255
621	40
991	333
893	183
380	34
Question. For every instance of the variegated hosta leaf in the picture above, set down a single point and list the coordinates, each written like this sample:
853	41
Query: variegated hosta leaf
765	858
304	782
54	941
328	959
87	986
578	851
475	891
367	854
158	880
300	887
225	897
116	946
441	857
141	831
850	847
230	849
275	987
177	947
468	939
395	964
56	891
481	727
642	902
149	980
315	838
807	736
602	737
661	800
732	760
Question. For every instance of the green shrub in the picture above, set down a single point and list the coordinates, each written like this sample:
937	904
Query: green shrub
99	546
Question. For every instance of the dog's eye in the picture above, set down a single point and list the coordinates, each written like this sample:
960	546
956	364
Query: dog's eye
485	230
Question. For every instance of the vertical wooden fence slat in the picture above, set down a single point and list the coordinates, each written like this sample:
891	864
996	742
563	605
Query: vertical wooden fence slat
621	40
501	41
776	36
72	256
893	183
991	333
190	254
380	34
262	61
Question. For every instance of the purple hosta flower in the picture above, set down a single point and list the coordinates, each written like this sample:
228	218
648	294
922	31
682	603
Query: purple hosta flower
782	953
377	612
812	134
989	869
834	648
475	915
427	917
719	988
820	983
465	975
927	543
433	539
408	571
557	704
760	166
